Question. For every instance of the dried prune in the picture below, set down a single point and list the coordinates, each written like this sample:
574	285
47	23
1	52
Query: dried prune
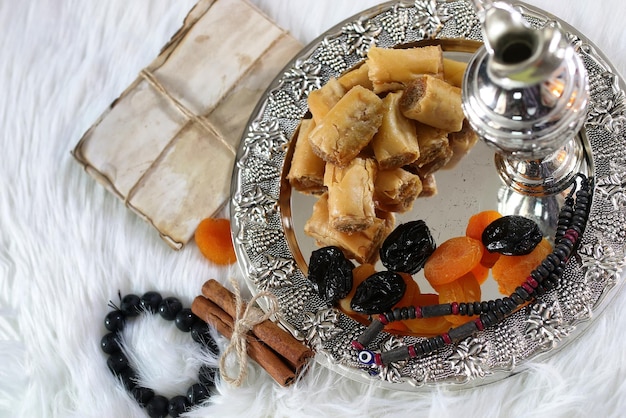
512	235
378	293
408	247
330	273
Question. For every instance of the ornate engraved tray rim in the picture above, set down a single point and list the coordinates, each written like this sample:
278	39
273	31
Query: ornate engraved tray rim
540	329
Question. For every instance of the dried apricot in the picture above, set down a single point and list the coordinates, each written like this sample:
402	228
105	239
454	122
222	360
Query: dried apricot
475	228
464	289
489	259
397	327
214	241
478	222
510	271
410	294
427	326
359	274
480	272
452	259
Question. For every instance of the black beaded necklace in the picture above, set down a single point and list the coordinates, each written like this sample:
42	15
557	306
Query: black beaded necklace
571	224
170	309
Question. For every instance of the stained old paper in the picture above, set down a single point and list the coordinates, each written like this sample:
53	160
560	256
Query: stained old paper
167	145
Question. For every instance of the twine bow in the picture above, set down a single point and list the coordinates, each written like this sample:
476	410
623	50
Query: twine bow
243	323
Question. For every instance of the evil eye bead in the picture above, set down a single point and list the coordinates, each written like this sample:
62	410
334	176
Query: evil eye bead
366	357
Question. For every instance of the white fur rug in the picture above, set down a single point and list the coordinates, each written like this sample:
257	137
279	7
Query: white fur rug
67	245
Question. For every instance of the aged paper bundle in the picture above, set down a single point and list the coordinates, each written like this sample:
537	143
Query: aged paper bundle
167	145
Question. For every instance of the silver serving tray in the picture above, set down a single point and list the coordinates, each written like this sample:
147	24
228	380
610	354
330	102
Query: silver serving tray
267	219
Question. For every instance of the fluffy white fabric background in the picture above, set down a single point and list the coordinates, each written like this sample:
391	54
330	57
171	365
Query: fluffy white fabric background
67	245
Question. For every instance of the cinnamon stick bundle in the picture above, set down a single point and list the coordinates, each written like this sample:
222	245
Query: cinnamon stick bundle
274	349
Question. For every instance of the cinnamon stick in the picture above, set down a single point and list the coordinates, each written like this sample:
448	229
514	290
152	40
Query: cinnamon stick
257	350
295	352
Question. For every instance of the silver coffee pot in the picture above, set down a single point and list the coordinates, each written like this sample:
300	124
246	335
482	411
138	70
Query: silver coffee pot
525	93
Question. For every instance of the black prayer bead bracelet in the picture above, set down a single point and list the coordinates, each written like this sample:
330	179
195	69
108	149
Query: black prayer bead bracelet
171	309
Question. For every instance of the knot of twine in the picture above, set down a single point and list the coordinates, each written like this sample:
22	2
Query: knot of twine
243	323
187	113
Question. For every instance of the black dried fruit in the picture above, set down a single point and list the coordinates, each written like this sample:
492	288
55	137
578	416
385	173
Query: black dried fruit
330	273
512	235
408	247
378	293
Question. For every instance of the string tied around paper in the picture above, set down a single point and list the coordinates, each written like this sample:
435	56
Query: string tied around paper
188	114
244	321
